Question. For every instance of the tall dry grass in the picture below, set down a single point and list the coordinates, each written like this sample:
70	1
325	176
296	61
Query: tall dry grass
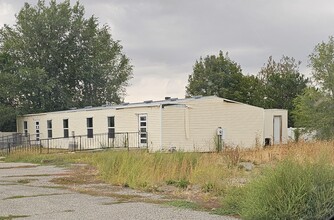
141	169
311	151
209	170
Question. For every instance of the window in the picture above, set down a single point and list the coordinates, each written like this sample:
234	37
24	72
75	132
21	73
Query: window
90	127
25	128
65	126
111	127
49	127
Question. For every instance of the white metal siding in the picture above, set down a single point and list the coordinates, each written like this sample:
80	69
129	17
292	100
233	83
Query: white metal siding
187	125
242	124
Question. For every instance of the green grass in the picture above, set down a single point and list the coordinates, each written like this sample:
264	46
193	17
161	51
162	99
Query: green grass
139	169
290	190
184	204
25	181
10	217
39	195
59	159
283	189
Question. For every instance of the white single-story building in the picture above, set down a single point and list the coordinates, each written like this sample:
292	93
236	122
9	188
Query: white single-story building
191	124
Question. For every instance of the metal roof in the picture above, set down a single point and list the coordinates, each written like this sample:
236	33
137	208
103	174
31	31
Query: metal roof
148	103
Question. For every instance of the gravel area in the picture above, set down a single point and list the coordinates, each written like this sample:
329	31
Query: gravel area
26	192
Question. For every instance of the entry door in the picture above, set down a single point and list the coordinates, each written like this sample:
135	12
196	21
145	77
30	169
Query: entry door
37	130
142	121
277	129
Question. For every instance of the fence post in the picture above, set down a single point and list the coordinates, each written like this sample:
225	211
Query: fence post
40	146
8	151
147	141
80	142
127	141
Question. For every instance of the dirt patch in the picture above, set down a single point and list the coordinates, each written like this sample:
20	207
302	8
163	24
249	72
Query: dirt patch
80	174
18	167
85	179
31	196
9	217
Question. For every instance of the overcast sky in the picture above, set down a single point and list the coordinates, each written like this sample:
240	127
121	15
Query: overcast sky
164	38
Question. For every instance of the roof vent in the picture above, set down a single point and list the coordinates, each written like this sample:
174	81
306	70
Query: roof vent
167	98
104	105
174	99
197	97
74	108
89	106
148	101
125	103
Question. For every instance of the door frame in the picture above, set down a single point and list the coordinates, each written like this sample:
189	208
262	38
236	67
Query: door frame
280	129
142	130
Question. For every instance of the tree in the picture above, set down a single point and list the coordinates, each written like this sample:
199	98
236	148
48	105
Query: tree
315	108
215	75
60	59
7	94
282	83
276	85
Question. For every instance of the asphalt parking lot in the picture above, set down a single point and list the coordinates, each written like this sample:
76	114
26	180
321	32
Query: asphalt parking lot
27	193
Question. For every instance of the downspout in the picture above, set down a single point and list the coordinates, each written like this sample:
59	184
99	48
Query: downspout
161	127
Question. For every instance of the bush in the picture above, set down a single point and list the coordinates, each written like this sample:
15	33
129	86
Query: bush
291	190
232	201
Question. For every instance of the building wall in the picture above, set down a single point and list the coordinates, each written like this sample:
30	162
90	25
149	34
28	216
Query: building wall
187	125
242	124
269	123
126	120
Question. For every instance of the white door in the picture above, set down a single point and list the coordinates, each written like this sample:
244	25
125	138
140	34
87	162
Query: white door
142	121
277	129
37	130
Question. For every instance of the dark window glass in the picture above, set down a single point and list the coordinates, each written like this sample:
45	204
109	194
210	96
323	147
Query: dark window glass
143	135
49	124
65	123
65	126
111	132
25	127
111	122
90	133
142	123
89	122
65	133
111	127
49	133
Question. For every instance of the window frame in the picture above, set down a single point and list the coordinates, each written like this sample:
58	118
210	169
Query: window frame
49	128
111	126
66	128
25	128
90	127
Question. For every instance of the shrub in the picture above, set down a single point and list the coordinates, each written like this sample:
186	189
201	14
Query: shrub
291	190
182	183
232	201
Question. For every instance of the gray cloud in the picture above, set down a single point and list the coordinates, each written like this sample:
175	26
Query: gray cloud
164	38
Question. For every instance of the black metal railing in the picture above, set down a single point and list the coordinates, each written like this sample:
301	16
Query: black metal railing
26	142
